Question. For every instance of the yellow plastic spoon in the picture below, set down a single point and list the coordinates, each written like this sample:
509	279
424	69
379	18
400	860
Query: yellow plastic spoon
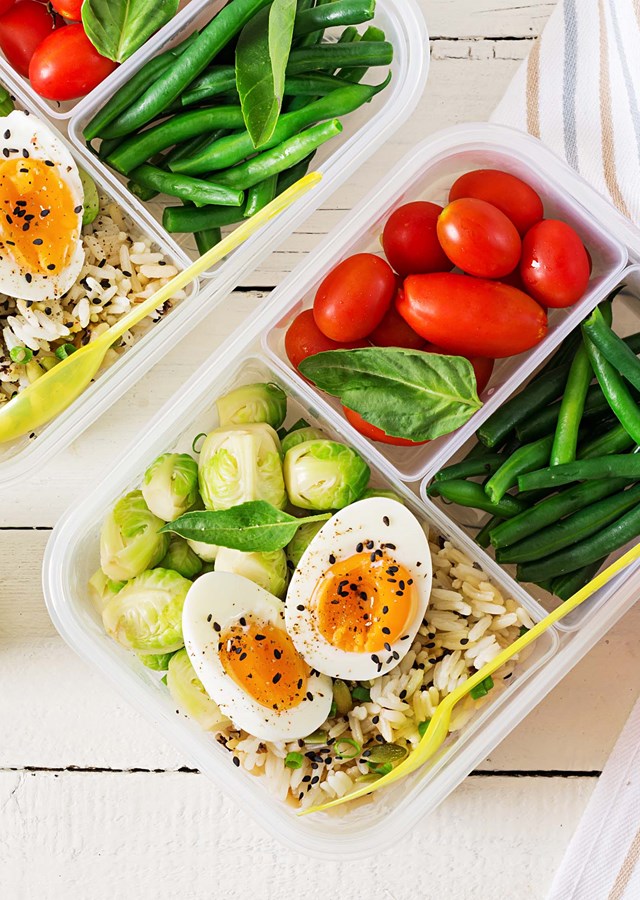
56	389
438	727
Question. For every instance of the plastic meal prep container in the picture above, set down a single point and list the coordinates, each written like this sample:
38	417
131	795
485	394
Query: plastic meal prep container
365	130
426	173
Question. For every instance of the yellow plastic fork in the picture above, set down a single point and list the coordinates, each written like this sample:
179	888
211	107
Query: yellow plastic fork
438	727
52	392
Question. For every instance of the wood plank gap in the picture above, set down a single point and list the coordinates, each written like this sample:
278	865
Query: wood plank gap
186	770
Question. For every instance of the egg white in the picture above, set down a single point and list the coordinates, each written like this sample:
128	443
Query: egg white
222	598
360	522
31	134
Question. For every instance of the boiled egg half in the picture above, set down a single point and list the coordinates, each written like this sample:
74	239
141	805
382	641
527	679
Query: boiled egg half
360	591
234	633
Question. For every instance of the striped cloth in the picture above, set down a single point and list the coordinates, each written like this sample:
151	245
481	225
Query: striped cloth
579	91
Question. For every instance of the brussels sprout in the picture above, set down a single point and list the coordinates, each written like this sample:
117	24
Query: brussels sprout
253	403
159	662
129	540
389	495
206	552
102	589
146	615
189	694
182	559
170	485
241	463
300	436
301	540
324	475
207	567
269	570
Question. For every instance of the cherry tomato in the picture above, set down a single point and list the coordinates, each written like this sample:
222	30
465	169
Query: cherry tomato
376	434
304	338
471	316
66	65
5	5
511	195
70	9
393	331
478	238
354	296
410	241
482	365
23	27
554	265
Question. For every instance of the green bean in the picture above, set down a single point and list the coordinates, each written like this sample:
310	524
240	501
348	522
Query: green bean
282	157
565	439
332	56
357	74
470	493
612	347
467	468
290	176
133	88
565	586
142	193
525	459
312	84
313	37
618	395
582	524
341	12
259	195
622	465
553	508
162	92
194	189
617	440
139	148
188	220
205	240
483	536
194	145
234	148
545	420
107	147
532	398
298	101
612	538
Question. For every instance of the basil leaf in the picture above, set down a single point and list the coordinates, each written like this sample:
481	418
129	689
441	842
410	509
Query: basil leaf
255	527
117	28
408	393
262	53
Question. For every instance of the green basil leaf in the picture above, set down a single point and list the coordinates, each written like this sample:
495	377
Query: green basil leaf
262	53
408	393
117	28
254	527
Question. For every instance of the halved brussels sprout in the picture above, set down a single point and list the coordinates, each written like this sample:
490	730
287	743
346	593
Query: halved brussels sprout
389	495
301	540
300	435
129	540
146	615
189	694
269	570
181	558
170	485
324	475
241	463
102	589
253	403
206	552
159	662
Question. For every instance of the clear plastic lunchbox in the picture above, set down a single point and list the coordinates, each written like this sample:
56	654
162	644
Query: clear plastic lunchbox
365	130
369	825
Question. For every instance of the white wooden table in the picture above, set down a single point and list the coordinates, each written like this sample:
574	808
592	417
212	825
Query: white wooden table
95	804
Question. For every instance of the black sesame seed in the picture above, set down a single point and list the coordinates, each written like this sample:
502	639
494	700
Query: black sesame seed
309	695
300	607
38	242
25	153
332	558
374	721
385	519
243	621
260	637
306	778
463	641
51	267
403	694
387	646
242	657
359	548
209	617
430	645
299	683
7	135
315	779
44	213
386	630
363	595
77	209
385	610
236	762
277	677
277	653
28	277
49	163
372	557
216	626
375	658
369	545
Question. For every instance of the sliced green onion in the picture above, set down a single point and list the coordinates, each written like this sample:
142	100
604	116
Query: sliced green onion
202	434
361	693
65	350
482	689
294	760
344	753
523	630
21	355
48	362
316	737
422	727
333	709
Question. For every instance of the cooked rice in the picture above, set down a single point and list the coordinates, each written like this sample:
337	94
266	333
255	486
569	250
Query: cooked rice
121	269
467	624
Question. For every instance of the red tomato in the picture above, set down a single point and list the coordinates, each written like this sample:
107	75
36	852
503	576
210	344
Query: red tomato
5	5
70	9
374	433
554	265
482	365
513	197
66	65
23	27
393	331
514	279
478	238
471	316
410	241
304	338
354	296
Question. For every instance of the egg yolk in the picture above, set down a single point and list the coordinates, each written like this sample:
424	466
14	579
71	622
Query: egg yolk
363	604
262	660
38	217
